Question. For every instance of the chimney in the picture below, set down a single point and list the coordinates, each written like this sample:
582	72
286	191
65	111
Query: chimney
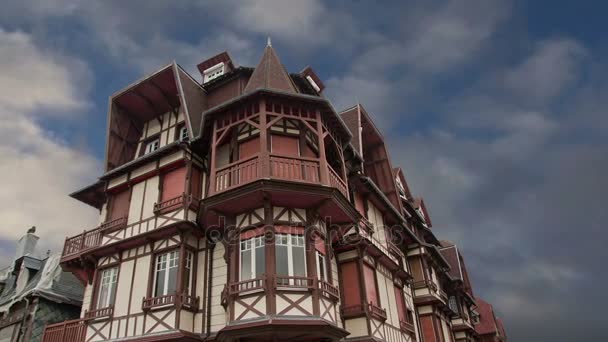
27	243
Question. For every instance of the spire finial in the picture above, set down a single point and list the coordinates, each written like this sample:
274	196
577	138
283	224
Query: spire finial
269	43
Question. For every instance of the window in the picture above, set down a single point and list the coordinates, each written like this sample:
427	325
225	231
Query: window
253	260
188	269
152	145
166	273
213	72
290	255
320	258
107	288
321	267
183	133
118	206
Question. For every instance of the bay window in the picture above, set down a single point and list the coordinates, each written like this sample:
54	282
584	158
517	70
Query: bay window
290	257
107	288
253	260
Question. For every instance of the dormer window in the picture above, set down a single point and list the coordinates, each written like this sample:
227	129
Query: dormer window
152	145
213	72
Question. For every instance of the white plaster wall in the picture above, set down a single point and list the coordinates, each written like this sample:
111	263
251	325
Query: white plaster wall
218	280
356	327
140	286
86	299
123	288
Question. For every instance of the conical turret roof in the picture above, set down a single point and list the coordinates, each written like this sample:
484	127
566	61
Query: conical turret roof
270	74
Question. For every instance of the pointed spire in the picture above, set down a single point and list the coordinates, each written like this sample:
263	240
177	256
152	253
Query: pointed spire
270	73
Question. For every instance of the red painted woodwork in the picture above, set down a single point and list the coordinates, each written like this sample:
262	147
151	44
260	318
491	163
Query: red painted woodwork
309	152
350	284
173	184
359	203
369	274
285	145
196	182
320	244
299	169
428	330
119	205
249	148
252	233
401	310
235	174
289	230
73	331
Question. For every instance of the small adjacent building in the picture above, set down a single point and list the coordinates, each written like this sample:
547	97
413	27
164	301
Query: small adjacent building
35	291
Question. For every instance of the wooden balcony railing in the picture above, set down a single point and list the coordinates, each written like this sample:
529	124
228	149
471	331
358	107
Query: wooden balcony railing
237	173
407	327
246	285
189	302
351	311
81	242
73	331
113	225
336	182
294	282
292	168
329	290
183	300
376	312
99	313
158	301
299	169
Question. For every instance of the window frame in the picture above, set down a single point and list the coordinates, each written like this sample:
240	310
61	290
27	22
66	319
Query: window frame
150	140
99	284
290	247
321	265
181	265
254	240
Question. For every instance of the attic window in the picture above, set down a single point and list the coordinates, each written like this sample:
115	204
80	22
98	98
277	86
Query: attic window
313	83
152	145
213	72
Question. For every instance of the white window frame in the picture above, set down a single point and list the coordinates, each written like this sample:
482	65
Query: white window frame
189	270
109	279
213	72
183	133
152	146
171	260
321	265
299	239
250	244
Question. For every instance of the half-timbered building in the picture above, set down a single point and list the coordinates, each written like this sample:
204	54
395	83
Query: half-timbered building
246	208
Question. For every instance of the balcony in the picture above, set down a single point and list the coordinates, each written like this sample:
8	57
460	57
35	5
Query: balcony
99	313
187	302
353	311
175	203
298	169
75	245
73	331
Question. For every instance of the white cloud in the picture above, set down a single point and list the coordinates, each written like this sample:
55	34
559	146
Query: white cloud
32	78
38	170
453	33
553	66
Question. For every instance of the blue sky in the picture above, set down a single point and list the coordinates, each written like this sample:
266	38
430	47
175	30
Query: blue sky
494	108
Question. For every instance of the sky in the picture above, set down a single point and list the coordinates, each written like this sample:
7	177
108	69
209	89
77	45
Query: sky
492	107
